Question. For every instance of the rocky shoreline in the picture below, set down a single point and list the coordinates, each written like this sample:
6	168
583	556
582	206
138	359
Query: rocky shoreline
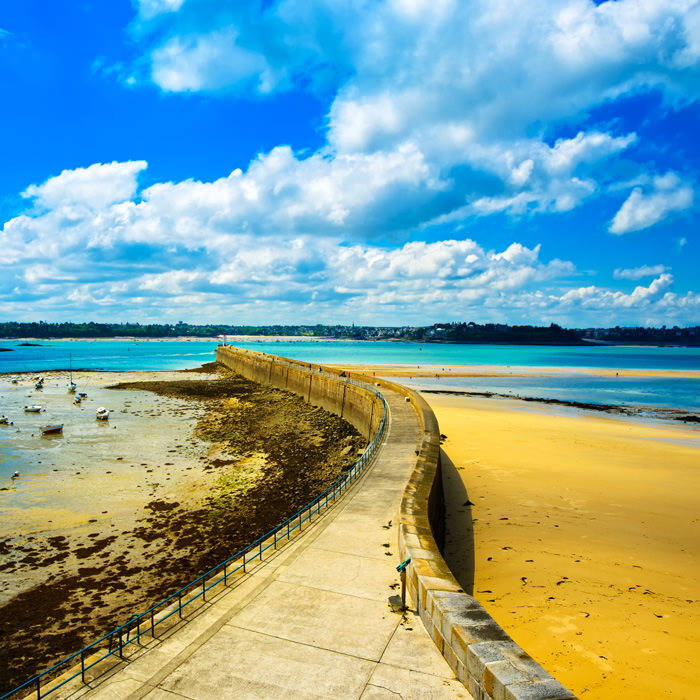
269	454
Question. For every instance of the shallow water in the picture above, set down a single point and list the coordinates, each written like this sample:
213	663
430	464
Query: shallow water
115	355
182	354
683	394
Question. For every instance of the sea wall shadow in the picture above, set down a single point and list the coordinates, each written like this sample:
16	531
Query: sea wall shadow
458	550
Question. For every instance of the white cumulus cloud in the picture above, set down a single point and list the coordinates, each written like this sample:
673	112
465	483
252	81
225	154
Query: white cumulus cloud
604	299
636	273
641	210
468	87
94	187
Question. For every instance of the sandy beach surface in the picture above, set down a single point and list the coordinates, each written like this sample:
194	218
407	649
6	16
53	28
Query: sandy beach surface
109	517
580	534
578	530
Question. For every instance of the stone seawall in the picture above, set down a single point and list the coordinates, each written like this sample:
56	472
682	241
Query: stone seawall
489	663
359	407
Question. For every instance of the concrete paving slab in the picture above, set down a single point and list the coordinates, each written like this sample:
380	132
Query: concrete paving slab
372	692
251	665
412	649
146	666
412	685
120	688
160	694
344	623
362	535
339	572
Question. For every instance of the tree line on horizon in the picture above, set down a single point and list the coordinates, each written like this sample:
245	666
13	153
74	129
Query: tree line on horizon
454	332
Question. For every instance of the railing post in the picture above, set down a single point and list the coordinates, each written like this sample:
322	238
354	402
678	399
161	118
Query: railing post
38	687
153	624
121	643
204	589
244	562
225	573
179	604
82	665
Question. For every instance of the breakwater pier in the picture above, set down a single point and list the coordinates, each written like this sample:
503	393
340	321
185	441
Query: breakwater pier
321	616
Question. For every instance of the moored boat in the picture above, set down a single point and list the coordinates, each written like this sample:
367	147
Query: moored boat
102	413
32	409
72	386
4	420
51	429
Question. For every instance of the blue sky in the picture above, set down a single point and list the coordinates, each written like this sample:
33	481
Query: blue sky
383	162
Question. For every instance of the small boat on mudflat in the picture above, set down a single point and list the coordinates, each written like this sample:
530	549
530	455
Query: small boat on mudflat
72	386
51	429
102	413
32	409
4	420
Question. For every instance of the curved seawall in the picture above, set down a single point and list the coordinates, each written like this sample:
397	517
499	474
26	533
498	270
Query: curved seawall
481	654
319	386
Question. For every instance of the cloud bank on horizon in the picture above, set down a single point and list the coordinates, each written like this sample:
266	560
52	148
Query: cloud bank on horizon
490	160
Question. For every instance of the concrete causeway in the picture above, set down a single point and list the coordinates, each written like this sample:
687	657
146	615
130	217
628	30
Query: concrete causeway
322	617
314	620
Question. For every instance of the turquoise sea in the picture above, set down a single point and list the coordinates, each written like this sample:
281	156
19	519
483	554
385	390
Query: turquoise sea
683	394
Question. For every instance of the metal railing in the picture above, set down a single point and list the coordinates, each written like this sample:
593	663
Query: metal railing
143	624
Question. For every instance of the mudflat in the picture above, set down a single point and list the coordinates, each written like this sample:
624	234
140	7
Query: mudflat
190	468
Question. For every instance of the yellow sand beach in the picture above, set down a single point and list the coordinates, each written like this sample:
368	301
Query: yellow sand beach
579	532
586	540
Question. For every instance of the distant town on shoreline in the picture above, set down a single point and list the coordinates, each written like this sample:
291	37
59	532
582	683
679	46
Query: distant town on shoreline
454	332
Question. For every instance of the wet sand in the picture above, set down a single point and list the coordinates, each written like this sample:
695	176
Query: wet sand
60	474
580	534
510	371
